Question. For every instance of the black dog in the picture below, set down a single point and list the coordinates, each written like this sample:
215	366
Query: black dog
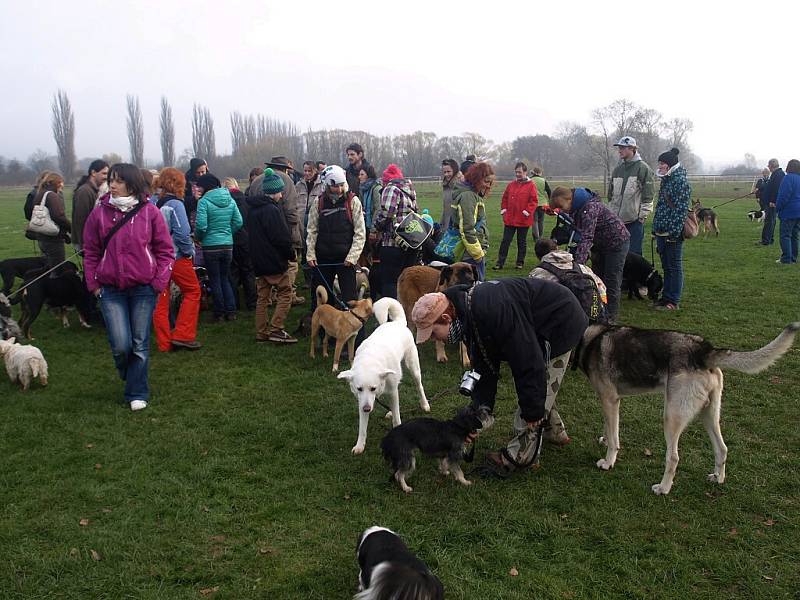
442	439
640	273
13	268
389	570
66	289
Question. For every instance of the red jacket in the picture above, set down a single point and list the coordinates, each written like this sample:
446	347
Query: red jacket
519	196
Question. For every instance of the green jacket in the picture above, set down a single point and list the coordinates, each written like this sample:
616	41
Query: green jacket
469	215
218	218
630	193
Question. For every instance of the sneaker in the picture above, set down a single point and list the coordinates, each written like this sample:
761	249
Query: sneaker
497	267
520	266
138	404
186	345
666	306
281	337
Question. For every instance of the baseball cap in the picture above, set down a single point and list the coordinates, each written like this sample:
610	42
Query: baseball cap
426	312
627	140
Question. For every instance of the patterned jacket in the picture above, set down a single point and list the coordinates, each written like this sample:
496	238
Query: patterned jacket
597	224
398	199
673	204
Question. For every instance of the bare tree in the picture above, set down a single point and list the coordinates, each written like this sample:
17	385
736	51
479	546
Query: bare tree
203	140
64	133
167	134
135	130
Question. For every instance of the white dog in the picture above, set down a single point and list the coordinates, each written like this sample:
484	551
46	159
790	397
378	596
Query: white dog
377	367
23	363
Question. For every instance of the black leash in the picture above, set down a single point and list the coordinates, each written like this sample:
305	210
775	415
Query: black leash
329	288
32	281
729	201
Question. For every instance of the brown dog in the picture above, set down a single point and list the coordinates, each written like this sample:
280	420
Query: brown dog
707	218
415	282
340	324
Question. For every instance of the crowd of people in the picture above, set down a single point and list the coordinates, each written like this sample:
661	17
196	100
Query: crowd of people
138	231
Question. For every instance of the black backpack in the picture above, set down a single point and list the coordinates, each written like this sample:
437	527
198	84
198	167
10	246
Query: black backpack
584	288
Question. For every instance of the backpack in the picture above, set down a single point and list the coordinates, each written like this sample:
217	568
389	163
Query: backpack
348	204
564	233
584	288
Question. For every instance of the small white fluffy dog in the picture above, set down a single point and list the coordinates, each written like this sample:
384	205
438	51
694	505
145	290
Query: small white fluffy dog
377	367
23	363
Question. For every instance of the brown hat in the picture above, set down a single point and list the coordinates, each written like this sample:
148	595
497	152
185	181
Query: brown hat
278	161
426	312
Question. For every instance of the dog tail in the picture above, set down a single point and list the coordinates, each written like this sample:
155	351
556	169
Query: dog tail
393	581
389	309
39	369
757	360
322	295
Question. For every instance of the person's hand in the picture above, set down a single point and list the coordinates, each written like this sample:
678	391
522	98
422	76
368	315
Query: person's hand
97	292
311	263
503	211
526	213
772	205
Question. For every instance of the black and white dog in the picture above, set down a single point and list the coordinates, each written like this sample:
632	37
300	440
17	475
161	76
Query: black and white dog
8	326
13	268
390	571
640	273
442	439
756	216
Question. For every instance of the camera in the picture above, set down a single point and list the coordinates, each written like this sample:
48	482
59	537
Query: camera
468	381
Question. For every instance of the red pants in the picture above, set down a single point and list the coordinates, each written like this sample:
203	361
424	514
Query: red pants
186	324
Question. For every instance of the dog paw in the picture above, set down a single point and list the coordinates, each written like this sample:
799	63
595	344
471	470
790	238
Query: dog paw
660	489
408	489
466	482
602	440
426	407
357	449
714	478
441	359
86	326
335	369
604	464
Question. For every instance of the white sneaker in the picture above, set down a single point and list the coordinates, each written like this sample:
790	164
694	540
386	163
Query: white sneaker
138	404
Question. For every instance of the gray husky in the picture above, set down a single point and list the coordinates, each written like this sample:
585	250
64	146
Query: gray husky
623	361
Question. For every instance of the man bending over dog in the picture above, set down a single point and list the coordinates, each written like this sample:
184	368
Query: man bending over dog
533	325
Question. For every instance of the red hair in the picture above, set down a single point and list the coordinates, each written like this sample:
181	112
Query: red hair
477	173
172	181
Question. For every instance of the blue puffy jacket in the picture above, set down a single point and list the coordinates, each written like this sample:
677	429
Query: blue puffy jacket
788	202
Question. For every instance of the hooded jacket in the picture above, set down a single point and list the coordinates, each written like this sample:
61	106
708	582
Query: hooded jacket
630	193
519	196
447	201
397	200
289	205
174	214
217	218
189	201
306	197
270	242
520	321
673	204
139	253
597	224
788	201
469	216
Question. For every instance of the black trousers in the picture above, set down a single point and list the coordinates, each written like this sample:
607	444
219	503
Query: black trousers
522	244
393	261
347	285
242	275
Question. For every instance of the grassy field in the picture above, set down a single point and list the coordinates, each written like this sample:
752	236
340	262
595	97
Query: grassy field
237	481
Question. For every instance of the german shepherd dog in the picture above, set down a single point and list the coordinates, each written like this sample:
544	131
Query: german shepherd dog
707	218
623	361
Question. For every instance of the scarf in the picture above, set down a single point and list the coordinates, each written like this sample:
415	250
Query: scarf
456	332
124	203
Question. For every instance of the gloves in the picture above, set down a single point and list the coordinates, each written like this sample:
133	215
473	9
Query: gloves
526	213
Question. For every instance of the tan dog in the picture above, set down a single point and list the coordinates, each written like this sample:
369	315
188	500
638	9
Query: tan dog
415	282
706	218
340	324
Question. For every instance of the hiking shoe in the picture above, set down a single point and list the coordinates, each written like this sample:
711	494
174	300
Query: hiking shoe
138	404
282	337
186	345
666	306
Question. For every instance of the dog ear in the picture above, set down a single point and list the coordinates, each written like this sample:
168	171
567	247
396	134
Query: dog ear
345	375
444	276
386	372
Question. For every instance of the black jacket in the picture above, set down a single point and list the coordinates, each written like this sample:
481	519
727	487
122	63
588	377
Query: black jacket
773	185
240	238
520	321
269	237
352	176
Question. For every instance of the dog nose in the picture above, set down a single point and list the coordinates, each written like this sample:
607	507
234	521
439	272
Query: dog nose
366	408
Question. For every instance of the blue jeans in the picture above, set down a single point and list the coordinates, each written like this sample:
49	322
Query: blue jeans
768	231
128	315
218	266
636	229
671	253
789	232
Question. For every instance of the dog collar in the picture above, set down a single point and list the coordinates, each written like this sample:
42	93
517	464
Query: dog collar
363	321
649	277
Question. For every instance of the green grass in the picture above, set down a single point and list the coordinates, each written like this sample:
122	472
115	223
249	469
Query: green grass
239	474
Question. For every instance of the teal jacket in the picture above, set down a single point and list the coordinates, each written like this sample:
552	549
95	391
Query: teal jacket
218	218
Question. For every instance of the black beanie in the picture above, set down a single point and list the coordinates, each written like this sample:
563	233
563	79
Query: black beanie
669	157
209	182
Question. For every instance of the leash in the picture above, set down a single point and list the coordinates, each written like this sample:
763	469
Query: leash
729	201
328	287
653	250
31	282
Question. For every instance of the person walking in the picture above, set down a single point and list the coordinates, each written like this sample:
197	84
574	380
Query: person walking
787	207
172	184
127	260
518	205
769	199
217	220
674	197
630	193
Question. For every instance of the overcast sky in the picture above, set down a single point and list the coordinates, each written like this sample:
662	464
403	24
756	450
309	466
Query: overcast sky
501	68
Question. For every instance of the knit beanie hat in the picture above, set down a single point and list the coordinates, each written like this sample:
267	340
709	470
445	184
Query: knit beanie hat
392	172
208	182
272	183
669	157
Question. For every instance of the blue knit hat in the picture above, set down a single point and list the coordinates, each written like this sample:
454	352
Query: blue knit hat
272	183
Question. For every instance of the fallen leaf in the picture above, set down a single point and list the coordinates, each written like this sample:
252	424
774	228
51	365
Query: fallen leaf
204	453
347	496
73	552
564	516
769	522
95	555
98	466
774	379
733	531
217	538
206	509
90	445
513	572
648	452
83	522
209	591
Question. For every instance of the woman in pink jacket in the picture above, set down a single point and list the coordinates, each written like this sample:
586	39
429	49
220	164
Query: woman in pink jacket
128	257
517	207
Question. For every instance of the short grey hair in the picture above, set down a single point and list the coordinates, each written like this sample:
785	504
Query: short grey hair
773	163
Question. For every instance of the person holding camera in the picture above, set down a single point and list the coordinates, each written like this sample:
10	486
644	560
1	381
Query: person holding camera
533	325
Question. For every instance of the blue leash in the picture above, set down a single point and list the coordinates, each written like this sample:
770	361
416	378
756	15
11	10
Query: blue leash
328	287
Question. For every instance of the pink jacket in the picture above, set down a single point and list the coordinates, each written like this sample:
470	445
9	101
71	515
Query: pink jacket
140	253
519	196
